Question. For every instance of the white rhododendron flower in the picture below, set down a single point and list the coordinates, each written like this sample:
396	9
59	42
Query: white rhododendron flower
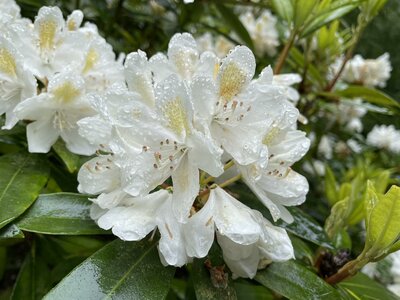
17	83
262	31
181	116
48	68
55	114
368	72
385	137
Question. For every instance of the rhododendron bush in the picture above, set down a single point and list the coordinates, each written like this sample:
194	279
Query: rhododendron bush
198	150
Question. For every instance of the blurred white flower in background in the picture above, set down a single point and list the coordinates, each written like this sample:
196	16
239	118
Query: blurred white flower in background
385	137
368	72
219	44
262	31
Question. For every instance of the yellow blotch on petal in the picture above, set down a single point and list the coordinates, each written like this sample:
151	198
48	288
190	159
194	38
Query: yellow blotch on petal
268	138
176	116
7	62
47	33
71	25
66	92
91	58
232	81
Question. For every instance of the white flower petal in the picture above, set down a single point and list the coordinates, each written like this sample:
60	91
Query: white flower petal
182	51
41	135
236	71
134	222
205	154
138	76
186	187
242	260
98	175
95	129
174	106
274	243
199	231
203	93
171	246
233	219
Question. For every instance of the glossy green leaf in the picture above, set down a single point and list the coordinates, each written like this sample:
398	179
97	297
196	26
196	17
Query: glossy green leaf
234	23
10	234
70	159
301	249
60	213
120	270
23	175
307	228
296	282
384	219
362	287
204	287
250	291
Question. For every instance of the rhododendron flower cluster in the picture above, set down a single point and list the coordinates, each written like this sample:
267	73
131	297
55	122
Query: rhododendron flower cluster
47	69
170	132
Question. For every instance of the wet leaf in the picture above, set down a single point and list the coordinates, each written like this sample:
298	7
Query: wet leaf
296	282
23	175
363	287
60	213
120	270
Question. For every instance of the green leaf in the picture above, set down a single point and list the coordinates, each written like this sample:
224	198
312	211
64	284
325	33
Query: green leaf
204	287
306	228
70	159
33	278
23	175
247	291
303	9
368	94
60	213
284	9
330	186
362	287
295	282
120	270
384	219
301	249
333	12
10	235
234	23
